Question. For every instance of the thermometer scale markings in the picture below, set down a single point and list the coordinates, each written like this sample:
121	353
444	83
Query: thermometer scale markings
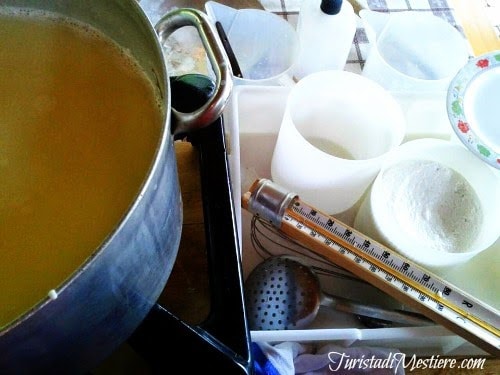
306	212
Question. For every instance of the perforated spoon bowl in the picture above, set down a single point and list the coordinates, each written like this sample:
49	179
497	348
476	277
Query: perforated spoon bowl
284	293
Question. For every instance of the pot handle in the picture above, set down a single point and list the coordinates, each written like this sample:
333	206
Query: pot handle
184	122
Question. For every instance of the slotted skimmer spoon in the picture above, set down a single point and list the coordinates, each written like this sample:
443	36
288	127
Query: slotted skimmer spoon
284	293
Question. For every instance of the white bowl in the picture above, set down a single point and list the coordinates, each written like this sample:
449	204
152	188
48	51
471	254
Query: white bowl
379	219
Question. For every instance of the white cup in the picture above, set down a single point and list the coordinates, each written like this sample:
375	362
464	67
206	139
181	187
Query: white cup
336	130
421	240
265	45
412	51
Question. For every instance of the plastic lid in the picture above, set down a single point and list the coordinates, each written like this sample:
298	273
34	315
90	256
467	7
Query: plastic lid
331	6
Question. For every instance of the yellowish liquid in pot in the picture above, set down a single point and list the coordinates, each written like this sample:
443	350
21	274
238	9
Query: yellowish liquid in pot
79	125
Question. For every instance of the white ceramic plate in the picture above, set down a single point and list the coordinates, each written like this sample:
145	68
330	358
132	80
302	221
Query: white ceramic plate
473	105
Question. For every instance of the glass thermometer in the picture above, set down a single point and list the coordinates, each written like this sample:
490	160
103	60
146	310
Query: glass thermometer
379	265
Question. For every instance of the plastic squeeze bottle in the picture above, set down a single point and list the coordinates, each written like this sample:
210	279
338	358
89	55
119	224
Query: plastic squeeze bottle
326	30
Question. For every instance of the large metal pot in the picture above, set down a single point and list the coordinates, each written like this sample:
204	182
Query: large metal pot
105	300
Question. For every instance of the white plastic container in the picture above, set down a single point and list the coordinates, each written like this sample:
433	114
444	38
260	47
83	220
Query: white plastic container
265	45
255	114
336	131
412	51
378	220
326	29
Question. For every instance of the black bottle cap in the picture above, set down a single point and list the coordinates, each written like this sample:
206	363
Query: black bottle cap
331	6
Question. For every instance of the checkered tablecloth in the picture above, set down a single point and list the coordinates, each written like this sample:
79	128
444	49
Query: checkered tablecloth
289	9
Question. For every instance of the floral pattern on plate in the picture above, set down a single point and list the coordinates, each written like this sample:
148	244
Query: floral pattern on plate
466	130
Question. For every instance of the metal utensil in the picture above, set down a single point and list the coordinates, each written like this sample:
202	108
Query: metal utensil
284	293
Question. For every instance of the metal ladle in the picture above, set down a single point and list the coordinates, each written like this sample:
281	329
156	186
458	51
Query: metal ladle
283	293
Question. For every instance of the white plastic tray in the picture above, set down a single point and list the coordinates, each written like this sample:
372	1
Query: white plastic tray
252	120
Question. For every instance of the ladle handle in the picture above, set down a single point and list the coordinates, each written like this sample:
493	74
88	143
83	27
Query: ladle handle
184	122
378	313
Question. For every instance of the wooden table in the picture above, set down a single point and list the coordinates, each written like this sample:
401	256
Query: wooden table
186	293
